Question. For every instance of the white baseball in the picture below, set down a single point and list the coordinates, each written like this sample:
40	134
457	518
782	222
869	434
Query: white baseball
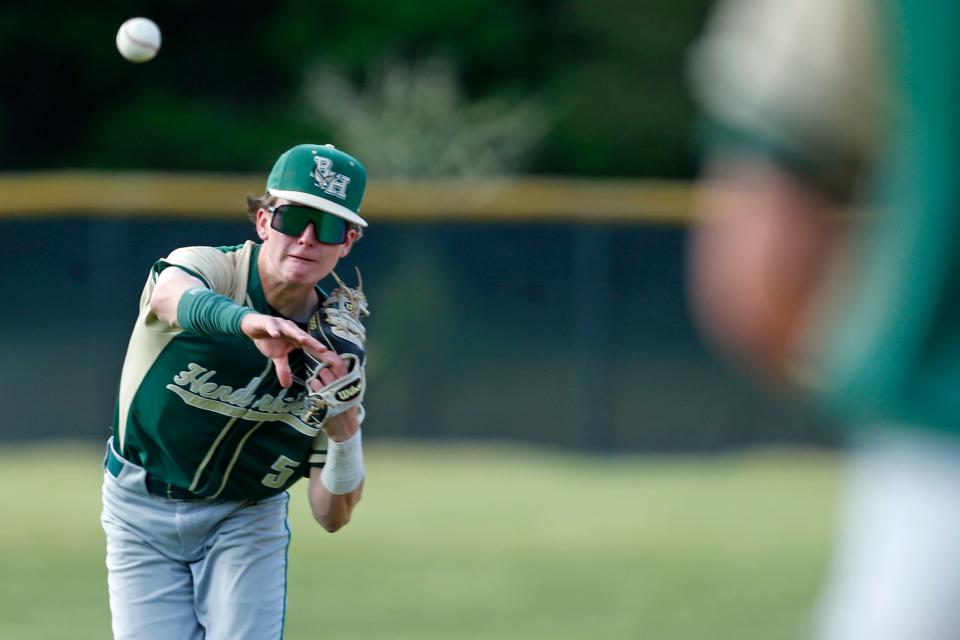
138	39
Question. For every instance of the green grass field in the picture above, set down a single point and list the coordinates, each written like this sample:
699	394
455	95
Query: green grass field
478	542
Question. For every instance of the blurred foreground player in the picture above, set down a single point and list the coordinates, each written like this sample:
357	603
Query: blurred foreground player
211	426
817	106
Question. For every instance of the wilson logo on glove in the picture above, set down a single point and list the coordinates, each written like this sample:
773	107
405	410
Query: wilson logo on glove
349	392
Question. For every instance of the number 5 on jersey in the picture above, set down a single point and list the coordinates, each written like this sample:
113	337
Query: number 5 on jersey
284	468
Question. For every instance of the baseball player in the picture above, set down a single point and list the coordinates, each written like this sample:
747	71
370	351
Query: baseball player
821	104
210	428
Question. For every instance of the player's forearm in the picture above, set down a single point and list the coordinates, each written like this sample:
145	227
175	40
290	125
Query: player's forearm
757	262
332	511
170	287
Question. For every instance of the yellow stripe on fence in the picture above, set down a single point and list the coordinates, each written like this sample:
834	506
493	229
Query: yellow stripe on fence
207	196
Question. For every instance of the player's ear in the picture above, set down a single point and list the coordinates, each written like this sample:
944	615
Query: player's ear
348	244
263	221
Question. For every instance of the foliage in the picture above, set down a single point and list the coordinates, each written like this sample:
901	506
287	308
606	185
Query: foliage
413	121
225	93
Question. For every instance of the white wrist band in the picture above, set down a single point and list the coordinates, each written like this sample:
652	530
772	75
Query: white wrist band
343	470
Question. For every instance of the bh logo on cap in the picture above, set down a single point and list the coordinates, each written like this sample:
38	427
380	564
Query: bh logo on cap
321	177
331	182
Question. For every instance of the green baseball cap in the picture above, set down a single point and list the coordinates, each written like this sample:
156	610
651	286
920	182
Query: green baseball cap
320	176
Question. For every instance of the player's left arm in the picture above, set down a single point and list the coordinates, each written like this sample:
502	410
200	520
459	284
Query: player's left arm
335	489
788	140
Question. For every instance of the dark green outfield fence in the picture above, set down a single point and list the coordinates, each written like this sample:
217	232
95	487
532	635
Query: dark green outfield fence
551	312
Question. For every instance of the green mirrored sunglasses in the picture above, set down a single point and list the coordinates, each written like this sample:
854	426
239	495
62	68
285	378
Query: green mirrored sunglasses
292	219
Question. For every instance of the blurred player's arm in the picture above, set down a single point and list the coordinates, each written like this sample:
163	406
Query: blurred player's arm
790	110
758	259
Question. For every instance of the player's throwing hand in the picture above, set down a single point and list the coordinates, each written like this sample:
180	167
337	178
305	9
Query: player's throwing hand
277	337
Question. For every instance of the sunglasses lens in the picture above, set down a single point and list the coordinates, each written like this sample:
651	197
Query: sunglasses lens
288	222
291	220
331	229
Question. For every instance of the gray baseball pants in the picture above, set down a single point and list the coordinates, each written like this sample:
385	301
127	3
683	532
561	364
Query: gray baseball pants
192	570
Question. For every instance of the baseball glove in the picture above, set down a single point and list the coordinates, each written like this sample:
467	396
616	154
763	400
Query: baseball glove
338	323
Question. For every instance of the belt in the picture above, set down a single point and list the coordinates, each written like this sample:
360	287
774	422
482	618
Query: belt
158	487
155	486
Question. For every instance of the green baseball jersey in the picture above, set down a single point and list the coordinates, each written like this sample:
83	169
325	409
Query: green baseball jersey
847	93
208	413
892	349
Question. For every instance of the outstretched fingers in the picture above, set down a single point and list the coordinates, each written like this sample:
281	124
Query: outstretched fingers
277	337
312	346
272	328
284	375
297	337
